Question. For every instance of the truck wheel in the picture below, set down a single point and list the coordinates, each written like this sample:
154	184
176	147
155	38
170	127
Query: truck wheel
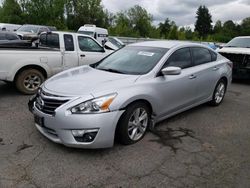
28	81
133	123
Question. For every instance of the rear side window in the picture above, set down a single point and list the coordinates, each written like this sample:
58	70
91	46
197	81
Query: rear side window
180	58
50	40
201	55
68	42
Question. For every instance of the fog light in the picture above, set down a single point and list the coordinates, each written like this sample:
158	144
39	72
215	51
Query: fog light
78	133
85	135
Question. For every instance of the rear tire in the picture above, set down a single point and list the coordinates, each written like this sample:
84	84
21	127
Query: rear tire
133	123
219	93
28	81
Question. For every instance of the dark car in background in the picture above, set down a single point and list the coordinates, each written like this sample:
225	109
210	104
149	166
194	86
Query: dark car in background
32	32
10	39
238	51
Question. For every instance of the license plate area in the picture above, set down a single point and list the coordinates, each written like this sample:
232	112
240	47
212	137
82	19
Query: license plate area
39	120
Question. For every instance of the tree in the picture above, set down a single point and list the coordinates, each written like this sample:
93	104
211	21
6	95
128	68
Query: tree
140	20
44	12
245	26
173	34
164	28
218	27
80	12
11	12
203	23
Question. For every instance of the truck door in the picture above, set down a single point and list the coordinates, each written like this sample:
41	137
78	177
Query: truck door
90	51
70	58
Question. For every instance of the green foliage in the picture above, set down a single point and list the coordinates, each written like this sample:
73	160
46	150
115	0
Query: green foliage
11	12
164	28
80	12
140	20
203	23
134	22
245	26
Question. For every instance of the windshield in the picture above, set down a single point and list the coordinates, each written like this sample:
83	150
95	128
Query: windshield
29	28
132	60
91	33
116	42
239	42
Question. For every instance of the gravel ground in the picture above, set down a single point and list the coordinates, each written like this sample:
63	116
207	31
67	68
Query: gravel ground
203	147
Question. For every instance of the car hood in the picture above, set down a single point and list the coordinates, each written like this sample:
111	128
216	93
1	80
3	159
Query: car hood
86	80
232	50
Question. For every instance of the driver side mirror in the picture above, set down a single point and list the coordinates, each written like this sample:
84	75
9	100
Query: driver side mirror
171	71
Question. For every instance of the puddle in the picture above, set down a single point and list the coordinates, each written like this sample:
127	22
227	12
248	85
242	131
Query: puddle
171	137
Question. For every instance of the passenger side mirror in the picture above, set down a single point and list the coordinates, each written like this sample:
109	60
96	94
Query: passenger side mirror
171	71
109	46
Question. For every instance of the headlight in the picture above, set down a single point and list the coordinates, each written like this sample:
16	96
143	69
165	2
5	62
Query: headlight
97	105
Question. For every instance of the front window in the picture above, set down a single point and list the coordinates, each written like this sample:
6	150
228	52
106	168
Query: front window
29	29
132	60
88	44
239	43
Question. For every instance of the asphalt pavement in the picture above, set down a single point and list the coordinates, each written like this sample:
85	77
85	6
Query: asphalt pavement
203	147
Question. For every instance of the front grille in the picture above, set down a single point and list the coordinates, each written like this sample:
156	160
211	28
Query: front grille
237	59
47	104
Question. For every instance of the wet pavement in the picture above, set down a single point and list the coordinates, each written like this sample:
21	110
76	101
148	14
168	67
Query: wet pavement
203	147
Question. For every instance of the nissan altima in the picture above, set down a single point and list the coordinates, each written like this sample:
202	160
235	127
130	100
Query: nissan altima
127	92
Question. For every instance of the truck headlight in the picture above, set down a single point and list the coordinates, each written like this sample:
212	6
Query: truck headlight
97	105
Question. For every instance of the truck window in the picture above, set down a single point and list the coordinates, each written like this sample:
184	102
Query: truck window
68	42
50	40
88	44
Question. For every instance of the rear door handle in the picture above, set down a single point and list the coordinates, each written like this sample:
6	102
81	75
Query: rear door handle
82	55
216	68
192	76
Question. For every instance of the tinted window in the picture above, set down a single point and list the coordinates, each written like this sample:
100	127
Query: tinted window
214	56
132	60
2	36
88	44
68	42
201	56
239	42
11	36
50	40
180	58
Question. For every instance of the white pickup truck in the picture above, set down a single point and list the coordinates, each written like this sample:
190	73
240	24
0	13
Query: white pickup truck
57	51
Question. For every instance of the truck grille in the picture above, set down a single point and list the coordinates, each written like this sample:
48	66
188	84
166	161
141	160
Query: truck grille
46	104
239	60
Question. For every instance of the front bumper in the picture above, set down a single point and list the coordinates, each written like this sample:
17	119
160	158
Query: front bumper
58	128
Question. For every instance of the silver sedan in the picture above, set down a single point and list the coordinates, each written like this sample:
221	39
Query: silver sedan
127	92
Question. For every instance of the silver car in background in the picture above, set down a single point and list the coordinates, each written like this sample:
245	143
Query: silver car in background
128	91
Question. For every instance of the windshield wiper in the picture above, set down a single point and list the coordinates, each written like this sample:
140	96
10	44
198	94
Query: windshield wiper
111	70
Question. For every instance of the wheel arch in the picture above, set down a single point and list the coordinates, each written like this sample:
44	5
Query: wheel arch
36	67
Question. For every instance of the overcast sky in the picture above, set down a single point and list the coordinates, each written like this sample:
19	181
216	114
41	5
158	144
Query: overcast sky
183	12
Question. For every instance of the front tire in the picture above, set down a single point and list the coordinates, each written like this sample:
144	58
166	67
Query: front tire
133	124
28	81
219	93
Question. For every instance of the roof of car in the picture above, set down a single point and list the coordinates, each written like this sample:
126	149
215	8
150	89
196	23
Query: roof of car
245	37
161	44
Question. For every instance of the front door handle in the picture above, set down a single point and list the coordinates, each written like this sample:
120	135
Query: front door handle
82	55
192	76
